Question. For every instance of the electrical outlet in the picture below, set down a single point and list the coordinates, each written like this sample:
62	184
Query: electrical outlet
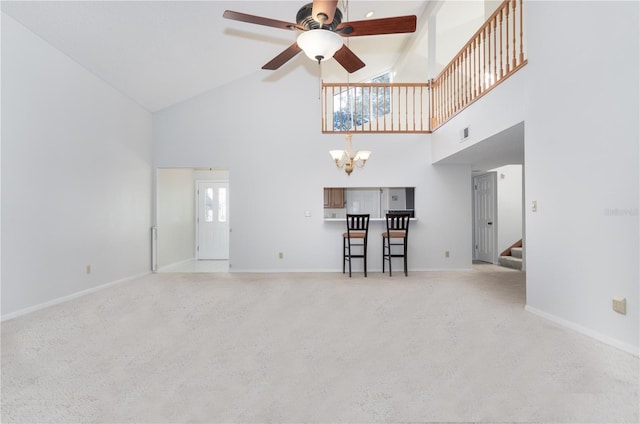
446	254
620	305
280	255
88	269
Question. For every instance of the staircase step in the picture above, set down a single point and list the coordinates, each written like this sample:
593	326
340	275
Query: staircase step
516	252
510	262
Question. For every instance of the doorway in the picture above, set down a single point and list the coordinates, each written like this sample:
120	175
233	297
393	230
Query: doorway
176	227
485	217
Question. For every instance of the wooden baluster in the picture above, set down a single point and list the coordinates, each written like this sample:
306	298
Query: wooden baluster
495	51
469	78
432	99
458	92
463	85
378	108
370	116
457	80
414	108
483	72
457	76
441	90
461	79
455	89
463	76
513	62
333	115
385	107
487	74
406	107
354	108
433	104
424	106
452	89
499	21
474	73
447	94
477	71
451	100
506	37
452	77
521	35
439	104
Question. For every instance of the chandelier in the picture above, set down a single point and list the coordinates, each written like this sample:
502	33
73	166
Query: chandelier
347	158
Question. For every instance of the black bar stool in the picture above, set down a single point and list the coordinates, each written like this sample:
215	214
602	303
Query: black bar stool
355	237
397	234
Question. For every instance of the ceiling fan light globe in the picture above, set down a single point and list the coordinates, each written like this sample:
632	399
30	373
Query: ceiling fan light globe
319	43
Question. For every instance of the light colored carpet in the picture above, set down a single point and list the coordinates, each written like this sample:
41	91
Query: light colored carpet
431	347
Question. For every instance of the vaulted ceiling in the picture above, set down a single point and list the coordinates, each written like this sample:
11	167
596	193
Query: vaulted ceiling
163	52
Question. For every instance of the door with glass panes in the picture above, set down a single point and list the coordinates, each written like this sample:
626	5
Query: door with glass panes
212	220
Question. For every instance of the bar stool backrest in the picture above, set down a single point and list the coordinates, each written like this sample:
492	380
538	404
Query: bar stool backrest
398	224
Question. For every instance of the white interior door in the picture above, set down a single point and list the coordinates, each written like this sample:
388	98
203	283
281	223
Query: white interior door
212	220
485	225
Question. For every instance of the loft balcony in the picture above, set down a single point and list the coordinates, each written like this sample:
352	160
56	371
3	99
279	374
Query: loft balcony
494	53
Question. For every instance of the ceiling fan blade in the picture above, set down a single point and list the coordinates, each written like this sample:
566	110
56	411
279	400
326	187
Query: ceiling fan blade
348	59
283	57
243	17
323	10
396	25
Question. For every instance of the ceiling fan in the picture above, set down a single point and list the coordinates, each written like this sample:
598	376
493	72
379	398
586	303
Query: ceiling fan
321	31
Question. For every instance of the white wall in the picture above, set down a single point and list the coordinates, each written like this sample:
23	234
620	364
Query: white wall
76	176
501	108
581	150
266	130
457	21
176	215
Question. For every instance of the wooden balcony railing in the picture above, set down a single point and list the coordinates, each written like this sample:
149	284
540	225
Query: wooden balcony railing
493	54
375	107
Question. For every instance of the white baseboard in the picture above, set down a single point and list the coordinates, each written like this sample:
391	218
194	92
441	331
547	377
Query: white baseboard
375	270
633	350
164	268
67	298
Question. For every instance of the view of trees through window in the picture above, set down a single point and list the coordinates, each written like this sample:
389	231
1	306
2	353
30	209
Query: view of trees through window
355	106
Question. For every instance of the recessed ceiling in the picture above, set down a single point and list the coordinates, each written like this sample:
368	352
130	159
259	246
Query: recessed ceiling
163	52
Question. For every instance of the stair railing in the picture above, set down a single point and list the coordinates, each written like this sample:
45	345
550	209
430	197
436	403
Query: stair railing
375	107
492	54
